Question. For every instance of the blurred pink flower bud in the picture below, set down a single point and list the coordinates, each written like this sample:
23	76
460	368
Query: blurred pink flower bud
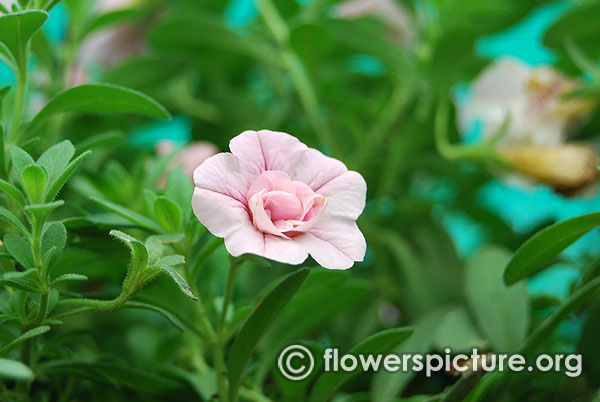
390	12
188	158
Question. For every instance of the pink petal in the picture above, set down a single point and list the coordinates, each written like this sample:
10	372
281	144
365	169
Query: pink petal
282	205
346	195
334	243
283	250
223	174
260	218
271	150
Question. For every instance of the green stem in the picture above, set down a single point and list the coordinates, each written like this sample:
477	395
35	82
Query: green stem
295	68
227	300
219	357
392	110
102	305
13	135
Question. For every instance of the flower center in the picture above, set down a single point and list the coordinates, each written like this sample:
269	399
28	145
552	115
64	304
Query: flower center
281	206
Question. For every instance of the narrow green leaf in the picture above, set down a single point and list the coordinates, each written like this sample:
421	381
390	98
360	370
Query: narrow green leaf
32	333
180	188
62	178
152	307
130	215
14	370
8	217
574	302
16	30
261	318
168	214
34	180
547	244
54	236
100	140
100	98
20	159
19	249
28	281
69	278
13	192
493	303
139	254
112	17
179	280
56	159
41	211
377	344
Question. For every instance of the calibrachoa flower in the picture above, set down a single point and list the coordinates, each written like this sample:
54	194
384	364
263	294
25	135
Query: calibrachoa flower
275	197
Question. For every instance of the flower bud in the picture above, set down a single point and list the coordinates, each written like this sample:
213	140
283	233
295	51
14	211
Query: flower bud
564	167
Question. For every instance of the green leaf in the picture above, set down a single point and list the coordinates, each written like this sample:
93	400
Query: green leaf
179	280
168	214
263	316
32	333
34	182
16	30
100	140
19	249
137	248
100	98
386	385
501	312
15	370
20	159
206	31
54	236
180	188
547	244
13	192
381	343
130	215
56	159
41	211
579	25
152	307
574	302
28	281
8	217
111	18
68	278
62	178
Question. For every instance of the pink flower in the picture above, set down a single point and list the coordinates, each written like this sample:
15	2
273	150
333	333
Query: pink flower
275	197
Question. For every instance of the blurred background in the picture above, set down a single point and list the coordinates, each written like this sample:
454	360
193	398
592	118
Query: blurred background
474	124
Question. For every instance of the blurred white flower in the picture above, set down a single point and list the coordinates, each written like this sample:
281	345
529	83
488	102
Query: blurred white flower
539	122
530	98
391	12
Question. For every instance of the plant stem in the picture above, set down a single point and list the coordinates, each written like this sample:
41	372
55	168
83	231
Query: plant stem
227	300
13	135
293	64
390	113
219	350
219	357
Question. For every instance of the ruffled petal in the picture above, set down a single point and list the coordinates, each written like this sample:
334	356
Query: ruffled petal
334	243
346	195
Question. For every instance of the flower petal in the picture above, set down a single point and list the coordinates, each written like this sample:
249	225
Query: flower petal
334	243
346	195
223	174
270	150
